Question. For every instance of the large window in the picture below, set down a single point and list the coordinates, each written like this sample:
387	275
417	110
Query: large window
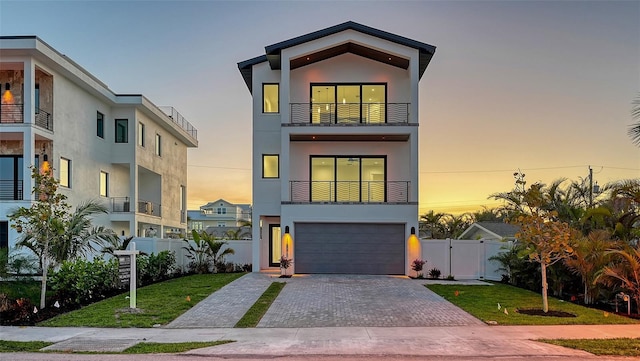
348	179
65	172
348	103
270	166
100	125
11	177
104	184
141	134
122	131
271	98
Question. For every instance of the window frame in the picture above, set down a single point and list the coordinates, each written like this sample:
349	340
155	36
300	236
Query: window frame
99	125
334	196
68	173
277	169
264	85
126	131
106	184
158	145
141	132
336	102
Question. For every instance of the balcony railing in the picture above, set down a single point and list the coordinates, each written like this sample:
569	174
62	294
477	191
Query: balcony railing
11	190
349	191
120	205
14	114
177	118
349	113
150	208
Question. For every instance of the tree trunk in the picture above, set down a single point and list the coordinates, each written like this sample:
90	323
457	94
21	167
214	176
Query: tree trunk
43	290
587	299
545	301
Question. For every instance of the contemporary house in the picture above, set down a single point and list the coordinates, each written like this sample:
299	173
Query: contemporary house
335	150
120	149
219	217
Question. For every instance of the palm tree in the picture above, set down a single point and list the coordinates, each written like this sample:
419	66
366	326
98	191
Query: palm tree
624	272
206	253
432	224
634	129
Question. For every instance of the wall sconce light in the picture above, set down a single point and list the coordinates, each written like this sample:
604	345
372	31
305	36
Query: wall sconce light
286	229
413	230
7	86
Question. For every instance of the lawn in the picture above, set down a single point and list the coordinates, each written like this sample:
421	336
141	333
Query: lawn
482	302
141	348
601	347
260	307
158	304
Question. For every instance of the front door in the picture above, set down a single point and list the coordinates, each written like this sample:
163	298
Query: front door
275	245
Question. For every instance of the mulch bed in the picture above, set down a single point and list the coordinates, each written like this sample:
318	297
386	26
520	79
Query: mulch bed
540	312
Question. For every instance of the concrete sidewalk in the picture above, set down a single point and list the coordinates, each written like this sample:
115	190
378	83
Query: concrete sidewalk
489	341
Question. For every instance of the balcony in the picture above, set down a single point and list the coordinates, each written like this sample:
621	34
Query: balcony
179	120
120	205
349	192
14	114
11	190
150	208
349	113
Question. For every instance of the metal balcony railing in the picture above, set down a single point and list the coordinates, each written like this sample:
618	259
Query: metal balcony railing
14	114
349	113
11	190
177	118
120	205
150	208
349	191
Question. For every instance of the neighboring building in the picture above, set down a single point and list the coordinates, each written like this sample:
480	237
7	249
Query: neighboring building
119	149
495	231
335	150
220	214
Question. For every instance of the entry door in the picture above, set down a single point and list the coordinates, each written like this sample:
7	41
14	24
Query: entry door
275	245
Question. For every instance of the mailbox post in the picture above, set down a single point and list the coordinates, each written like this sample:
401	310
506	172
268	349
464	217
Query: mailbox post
127	270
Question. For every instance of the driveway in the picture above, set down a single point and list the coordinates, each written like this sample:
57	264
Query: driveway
329	301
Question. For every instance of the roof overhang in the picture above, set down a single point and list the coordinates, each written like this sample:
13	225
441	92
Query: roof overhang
349	137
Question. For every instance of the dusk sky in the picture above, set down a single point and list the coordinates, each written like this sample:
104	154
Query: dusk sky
544	87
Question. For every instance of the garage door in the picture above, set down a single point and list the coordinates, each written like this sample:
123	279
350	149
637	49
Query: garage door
353	248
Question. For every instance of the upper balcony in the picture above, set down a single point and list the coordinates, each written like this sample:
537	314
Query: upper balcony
179	120
14	114
349	114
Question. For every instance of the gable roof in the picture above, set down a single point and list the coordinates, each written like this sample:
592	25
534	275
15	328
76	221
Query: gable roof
499	229
273	52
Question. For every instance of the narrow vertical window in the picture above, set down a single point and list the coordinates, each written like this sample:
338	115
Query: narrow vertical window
65	172
158	145
36	94
271	98
100	125
104	184
122	131
141	134
270	166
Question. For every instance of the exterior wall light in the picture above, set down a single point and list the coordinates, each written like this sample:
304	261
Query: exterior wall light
7	86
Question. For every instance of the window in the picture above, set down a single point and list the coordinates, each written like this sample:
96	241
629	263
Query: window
100	125
348	103
158	145
198	226
11	177
104	184
65	172
221	224
271	98
36	94
270	166
122	131
141	134
4	235
222	211
348	179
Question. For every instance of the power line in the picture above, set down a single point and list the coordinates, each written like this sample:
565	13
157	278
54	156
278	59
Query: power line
214	167
526	169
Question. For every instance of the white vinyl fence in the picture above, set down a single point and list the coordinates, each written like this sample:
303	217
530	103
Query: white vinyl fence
463	259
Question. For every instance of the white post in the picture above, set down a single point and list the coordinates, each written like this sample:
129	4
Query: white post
132	272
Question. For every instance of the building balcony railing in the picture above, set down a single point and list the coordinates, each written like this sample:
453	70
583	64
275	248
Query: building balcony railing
11	190
120	205
177	118
349	113
150	208
349	191
14	114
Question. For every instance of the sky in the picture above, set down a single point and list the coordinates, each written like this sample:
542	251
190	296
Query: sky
540	87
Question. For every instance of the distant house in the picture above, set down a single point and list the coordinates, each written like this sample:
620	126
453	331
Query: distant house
490	231
219	214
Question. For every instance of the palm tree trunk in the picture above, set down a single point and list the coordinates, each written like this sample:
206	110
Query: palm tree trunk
545	286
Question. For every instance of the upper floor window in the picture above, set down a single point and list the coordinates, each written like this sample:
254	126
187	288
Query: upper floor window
158	145
104	184
100	125
270	166
270	98
222	211
65	172
141	134
122	131
348	103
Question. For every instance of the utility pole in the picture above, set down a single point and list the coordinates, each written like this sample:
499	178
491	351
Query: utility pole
590	187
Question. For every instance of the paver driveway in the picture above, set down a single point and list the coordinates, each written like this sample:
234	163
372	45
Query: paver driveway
328	300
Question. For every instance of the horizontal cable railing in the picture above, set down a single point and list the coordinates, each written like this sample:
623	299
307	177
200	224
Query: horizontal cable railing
349	113
177	118
120	205
11	190
150	208
44	120
11	113
349	191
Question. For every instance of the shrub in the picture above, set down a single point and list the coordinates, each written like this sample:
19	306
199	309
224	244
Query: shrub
154	268
434	273
16	312
81	282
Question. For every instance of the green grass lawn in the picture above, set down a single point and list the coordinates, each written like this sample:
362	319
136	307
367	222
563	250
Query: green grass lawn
601	347
152	347
22	346
159	303
260	307
482	302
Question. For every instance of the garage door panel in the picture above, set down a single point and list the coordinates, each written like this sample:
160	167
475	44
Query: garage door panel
349	248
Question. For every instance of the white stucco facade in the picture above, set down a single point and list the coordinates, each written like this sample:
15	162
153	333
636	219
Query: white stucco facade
345	57
144	165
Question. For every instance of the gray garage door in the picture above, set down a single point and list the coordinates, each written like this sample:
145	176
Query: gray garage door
355	248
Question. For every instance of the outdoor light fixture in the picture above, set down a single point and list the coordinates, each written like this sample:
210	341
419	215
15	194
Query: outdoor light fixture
7	86
286	229
413	230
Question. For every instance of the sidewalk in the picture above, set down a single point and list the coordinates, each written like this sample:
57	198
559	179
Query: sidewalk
494	341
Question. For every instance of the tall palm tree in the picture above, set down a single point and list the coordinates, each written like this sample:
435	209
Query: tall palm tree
432	224
634	129
624	271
